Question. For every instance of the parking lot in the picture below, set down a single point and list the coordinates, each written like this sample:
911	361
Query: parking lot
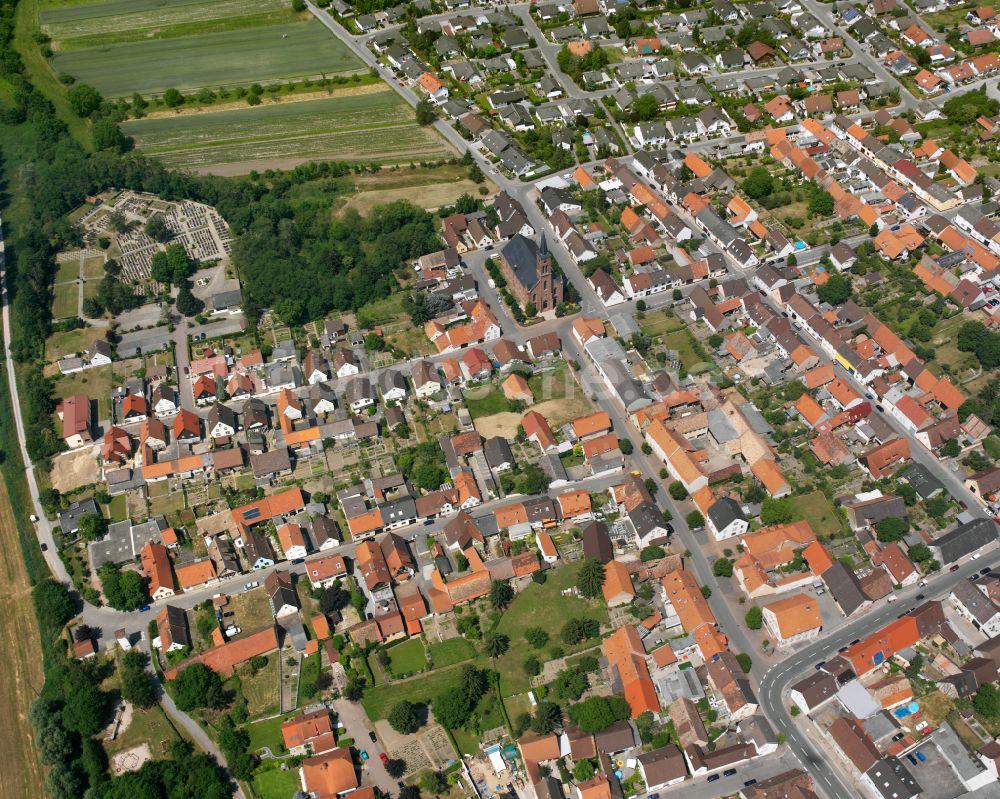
934	775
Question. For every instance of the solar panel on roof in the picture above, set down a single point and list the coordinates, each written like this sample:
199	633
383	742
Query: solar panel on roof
253	513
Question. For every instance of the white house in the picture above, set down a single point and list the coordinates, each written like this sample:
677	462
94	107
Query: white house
726	518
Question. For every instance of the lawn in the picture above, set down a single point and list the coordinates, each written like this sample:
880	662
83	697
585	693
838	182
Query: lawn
524	612
70	342
557	384
93	267
308	675
267	733
407	657
450	651
412	341
380	312
68	270
95	383
116	510
276	784
261	689
816	509
684	342
148	726
486	400
380	700
237	57
326	126
66	302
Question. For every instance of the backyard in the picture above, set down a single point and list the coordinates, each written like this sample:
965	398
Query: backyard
522	613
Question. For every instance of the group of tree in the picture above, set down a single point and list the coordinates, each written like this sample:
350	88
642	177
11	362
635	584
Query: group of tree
984	343
198	686
406	717
137	685
575	66
590	579
423	465
836	290
454	707
124	590
172	266
597	713
579	629
892	529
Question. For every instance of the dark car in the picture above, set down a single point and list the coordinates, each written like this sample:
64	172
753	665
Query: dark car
921	596
954	568
713	777
843	649
373	737
45	547
855	641
912	759
820	665
898	736
748	783
729	772
981	571
670	528
143	608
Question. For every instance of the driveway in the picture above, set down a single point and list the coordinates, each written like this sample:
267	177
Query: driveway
352	717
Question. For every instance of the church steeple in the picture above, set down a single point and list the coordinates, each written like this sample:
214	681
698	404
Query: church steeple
544	259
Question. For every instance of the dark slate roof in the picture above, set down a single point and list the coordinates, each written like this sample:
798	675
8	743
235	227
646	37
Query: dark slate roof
845	588
920	477
521	253
596	543
724	512
965	539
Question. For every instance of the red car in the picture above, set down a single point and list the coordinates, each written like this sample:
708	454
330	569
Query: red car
954	568
383	757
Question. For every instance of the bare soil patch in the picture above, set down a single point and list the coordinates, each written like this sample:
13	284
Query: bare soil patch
74	469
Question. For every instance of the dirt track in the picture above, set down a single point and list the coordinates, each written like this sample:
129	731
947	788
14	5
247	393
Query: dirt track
20	665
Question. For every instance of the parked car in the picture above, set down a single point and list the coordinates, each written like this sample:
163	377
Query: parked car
143	608
383	757
921	757
251	585
232	630
729	772
713	777
953	568
748	783
364	754
45	547
921	596
34	518
373	737
820	665
912	759
985	571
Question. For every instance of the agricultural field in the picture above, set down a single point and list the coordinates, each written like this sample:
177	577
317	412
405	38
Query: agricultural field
148	46
320	128
93	24
21	666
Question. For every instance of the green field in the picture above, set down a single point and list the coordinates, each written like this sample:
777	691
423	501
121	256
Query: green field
234	57
276	784
96	24
451	651
369	126
66	300
522	613
816	509
407	657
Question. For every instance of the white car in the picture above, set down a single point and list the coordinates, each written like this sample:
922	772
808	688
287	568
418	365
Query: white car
232	630
977	556
921	725
251	585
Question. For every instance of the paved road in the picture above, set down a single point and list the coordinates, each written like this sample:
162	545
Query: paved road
774	685
43	527
823	13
